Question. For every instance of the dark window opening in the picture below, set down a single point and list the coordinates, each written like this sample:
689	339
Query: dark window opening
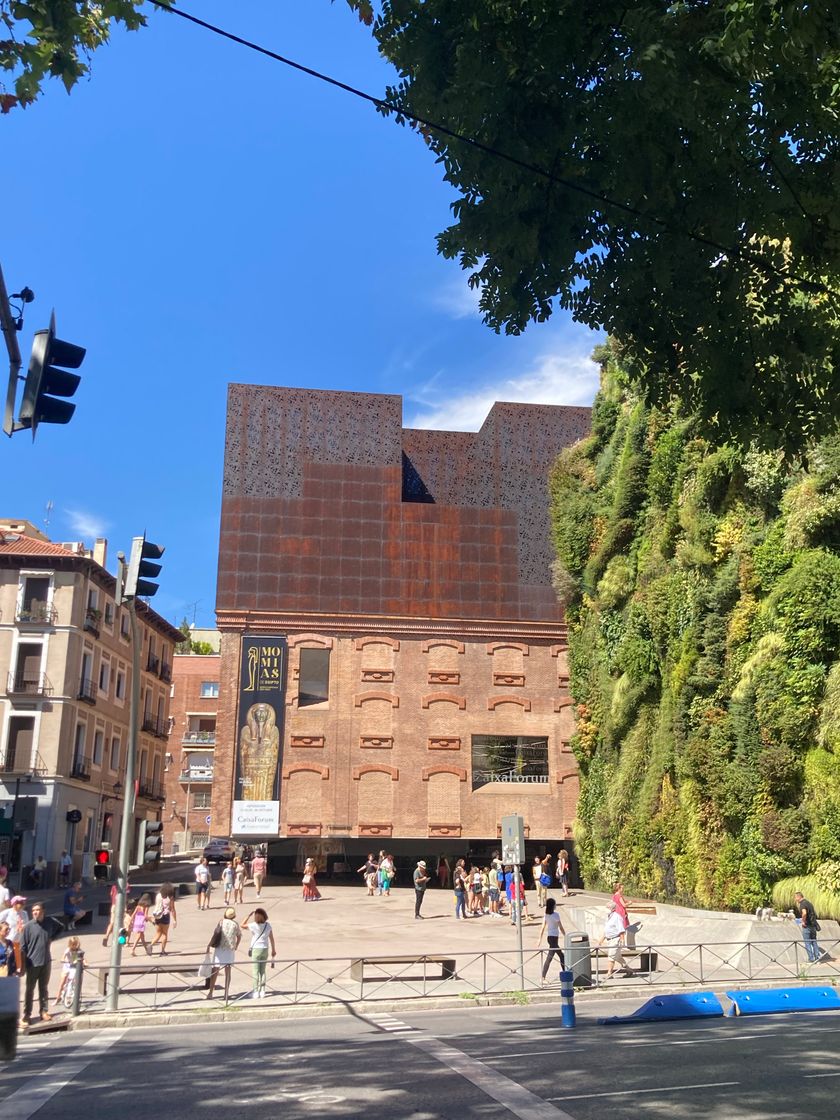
414	489
19	744
516	759
314	677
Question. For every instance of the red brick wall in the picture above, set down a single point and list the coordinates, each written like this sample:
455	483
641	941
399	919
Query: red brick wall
188	673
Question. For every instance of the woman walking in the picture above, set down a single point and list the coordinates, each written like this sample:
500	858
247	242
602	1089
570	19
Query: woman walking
444	873
164	916
387	873
238	880
226	936
262	939
551	929
139	920
562	871
310	885
259	866
460	885
539	886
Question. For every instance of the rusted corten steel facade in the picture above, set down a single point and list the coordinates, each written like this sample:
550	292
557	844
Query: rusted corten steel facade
421	561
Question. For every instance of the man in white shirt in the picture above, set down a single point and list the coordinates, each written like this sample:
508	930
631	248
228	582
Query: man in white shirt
614	938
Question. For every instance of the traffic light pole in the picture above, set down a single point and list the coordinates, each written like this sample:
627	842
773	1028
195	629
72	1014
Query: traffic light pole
127	828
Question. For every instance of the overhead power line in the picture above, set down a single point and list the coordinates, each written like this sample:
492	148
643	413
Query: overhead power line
578	188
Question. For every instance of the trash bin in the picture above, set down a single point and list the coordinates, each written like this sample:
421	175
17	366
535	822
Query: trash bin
576	952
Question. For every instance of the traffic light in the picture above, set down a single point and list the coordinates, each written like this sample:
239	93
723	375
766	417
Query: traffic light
101	863
48	379
152	841
122	937
141	570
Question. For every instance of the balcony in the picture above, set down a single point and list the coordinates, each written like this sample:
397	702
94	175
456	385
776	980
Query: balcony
87	691
93	618
152	663
165	672
150	789
35	686
196	774
154	727
36	614
81	768
199	739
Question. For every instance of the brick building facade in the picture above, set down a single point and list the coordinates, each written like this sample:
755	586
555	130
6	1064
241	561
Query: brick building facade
191	753
409	571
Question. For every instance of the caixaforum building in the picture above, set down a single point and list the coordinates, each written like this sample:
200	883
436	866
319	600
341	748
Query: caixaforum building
393	665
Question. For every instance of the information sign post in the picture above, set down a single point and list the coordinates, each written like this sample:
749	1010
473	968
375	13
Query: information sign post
513	853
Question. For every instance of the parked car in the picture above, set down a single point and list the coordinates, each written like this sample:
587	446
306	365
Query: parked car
219	850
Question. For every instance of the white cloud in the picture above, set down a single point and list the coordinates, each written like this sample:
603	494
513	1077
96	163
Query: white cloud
87	526
456	299
564	375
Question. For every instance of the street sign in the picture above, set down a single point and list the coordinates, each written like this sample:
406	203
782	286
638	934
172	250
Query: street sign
207	819
74	816
513	839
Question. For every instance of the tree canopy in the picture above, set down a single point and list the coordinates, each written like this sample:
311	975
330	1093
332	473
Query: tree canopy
688	204
40	39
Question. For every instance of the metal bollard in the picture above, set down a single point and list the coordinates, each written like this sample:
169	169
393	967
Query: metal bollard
567	998
77	988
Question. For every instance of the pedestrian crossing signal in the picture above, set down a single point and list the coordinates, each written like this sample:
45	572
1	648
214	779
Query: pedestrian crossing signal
122	937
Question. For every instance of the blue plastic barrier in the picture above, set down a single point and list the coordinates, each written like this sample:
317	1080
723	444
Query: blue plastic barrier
687	1005
773	1000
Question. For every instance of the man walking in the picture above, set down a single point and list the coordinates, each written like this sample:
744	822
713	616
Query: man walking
810	926
35	949
202	884
420	881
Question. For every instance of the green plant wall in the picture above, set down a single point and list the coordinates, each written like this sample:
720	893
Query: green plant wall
702	590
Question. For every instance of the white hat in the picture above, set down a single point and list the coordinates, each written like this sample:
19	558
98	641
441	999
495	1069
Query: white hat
421	863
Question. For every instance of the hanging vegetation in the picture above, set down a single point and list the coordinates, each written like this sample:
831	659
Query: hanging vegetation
702	589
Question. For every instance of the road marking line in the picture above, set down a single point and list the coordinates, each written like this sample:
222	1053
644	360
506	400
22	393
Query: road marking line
34	1094
821	1074
510	1094
529	1054
661	1089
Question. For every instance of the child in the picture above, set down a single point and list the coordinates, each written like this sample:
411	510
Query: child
68	965
139	916
227	882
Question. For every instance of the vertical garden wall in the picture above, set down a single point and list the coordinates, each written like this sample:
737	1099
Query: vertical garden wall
702	588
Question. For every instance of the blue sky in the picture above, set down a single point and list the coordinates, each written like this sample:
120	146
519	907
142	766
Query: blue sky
197	215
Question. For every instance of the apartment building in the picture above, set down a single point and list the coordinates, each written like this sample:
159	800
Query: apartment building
65	683
393	660
192	742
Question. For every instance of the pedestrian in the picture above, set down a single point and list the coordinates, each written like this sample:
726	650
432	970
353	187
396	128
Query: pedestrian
537	875
262	939
164	916
139	921
5	895
39	873
227	881
386	873
806	916
115	890
259	866
614	938
309	882
238	880
444	872
65	866
8	961
561	872
35	947
72	910
68	965
459	884
621	904
370	870
551	928
223	943
202	884
421	881
475	891
493	892
16	918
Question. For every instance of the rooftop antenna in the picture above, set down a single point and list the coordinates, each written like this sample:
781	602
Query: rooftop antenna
48	508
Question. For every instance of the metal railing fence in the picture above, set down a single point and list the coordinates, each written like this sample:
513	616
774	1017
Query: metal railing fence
150	983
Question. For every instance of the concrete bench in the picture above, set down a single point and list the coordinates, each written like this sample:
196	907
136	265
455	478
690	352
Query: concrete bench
152	970
447	967
62	922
